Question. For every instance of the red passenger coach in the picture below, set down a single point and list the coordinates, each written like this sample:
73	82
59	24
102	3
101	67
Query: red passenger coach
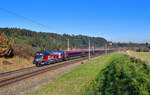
71	54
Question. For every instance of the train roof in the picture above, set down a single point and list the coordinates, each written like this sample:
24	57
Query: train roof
46	52
56	52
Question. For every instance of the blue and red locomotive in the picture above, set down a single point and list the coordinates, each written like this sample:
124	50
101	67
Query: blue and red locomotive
49	57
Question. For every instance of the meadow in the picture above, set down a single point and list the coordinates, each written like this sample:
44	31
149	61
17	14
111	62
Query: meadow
145	56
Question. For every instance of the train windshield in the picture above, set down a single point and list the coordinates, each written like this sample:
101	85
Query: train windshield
38	55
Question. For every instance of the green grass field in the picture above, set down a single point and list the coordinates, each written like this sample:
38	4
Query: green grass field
75	81
145	56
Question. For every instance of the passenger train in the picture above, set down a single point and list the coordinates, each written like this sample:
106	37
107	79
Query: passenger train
53	56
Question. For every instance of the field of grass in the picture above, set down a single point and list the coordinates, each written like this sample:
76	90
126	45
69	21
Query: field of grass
145	56
75	81
123	76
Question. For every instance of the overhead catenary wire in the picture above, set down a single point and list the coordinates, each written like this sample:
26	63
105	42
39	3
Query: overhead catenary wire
24	18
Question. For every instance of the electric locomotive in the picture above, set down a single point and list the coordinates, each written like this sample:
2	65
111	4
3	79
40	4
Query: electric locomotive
48	57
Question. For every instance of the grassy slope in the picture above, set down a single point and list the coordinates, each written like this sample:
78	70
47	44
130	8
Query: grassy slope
124	76
145	56
16	63
75	82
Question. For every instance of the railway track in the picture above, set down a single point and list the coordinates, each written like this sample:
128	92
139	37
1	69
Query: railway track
18	75
15	71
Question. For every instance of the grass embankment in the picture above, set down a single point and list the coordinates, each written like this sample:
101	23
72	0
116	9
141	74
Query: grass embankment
123	76
75	81
145	56
14	63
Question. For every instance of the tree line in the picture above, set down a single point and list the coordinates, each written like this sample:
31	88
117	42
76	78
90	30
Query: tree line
53	41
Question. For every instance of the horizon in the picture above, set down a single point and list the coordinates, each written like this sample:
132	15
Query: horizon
114	20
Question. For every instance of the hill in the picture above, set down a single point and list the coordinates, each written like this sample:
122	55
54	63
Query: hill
24	40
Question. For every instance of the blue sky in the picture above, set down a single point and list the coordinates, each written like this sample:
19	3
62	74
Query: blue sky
116	20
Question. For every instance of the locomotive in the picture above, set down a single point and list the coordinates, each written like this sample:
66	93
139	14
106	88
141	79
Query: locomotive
49	57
